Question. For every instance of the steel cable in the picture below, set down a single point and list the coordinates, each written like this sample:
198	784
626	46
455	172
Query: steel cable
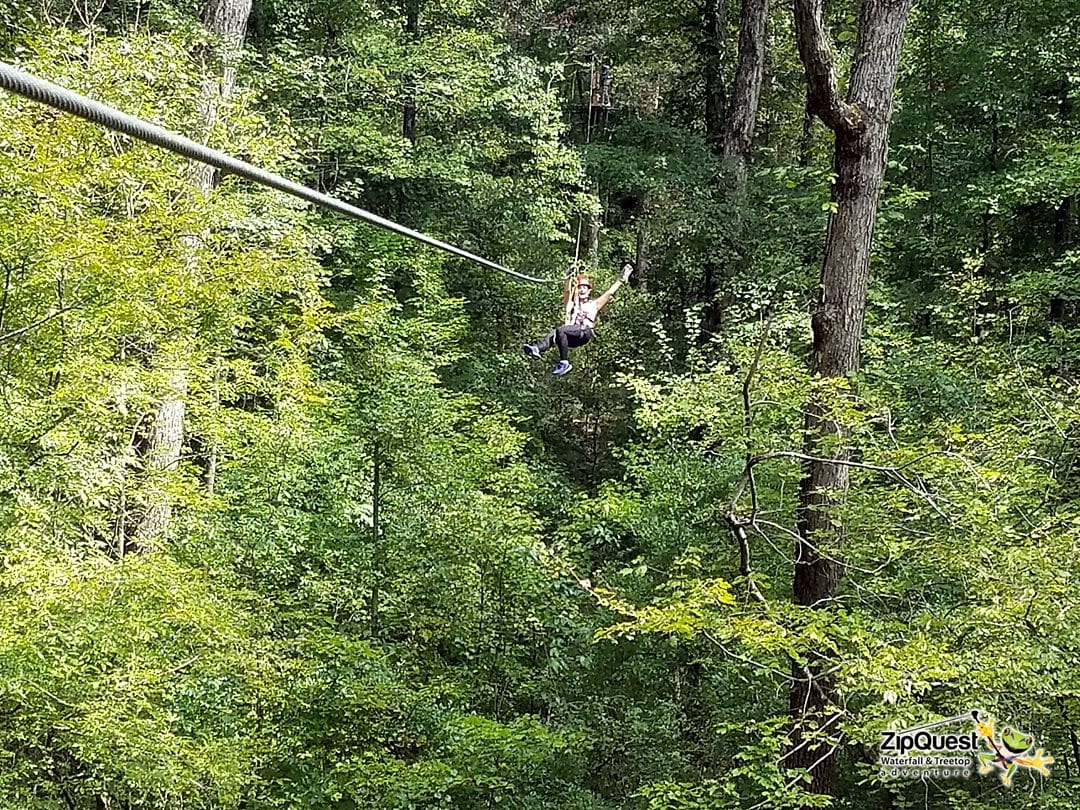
20	82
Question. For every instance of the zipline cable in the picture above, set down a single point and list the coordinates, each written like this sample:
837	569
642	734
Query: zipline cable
20	82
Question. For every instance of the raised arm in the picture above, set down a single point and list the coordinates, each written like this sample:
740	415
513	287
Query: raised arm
602	301
568	292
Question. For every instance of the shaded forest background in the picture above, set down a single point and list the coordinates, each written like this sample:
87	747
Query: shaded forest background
287	520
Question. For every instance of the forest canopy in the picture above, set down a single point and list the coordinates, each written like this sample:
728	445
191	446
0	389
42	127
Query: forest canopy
289	519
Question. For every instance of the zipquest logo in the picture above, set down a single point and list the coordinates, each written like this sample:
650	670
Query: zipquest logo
919	752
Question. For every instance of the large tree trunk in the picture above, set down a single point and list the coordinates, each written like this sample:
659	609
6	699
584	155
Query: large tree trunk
164	447
861	122
411	28
641	248
227	21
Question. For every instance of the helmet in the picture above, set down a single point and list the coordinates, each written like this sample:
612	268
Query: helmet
582	279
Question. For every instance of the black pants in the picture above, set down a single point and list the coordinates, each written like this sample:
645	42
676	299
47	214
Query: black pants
566	338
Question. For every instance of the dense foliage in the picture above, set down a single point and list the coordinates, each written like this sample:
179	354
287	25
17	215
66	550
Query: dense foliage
406	568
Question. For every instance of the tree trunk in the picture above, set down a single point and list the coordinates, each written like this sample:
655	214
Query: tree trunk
641	253
745	91
227	21
806	140
377	556
711	48
408	115
164	447
729	125
1062	217
861	123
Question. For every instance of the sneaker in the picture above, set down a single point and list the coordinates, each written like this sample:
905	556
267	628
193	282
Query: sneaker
531	351
563	367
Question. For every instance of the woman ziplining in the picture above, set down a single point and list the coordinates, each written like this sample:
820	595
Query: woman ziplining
581	313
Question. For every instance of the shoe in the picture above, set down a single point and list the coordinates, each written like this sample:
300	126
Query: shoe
563	367
531	351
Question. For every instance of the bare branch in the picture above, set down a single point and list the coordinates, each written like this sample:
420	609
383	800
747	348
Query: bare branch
809	770
738	531
756	664
747	412
737	525
890	472
836	716
817	549
14	333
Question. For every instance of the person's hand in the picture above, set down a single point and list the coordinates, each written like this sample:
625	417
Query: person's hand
627	270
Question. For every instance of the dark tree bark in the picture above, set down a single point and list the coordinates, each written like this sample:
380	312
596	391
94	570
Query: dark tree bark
411	27
711	48
730	118
746	89
861	123
641	253
806	140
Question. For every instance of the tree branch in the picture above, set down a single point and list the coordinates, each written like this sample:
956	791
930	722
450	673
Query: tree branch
40	322
890	472
822	93
738	531
737	525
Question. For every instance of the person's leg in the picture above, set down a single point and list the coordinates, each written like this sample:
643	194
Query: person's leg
578	336
563	342
570	337
542	345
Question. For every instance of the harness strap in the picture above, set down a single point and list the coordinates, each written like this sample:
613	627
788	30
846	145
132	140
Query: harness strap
579	316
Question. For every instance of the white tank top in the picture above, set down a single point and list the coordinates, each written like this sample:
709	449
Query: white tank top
583	314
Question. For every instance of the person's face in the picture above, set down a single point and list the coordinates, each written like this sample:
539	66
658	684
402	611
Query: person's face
584	290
